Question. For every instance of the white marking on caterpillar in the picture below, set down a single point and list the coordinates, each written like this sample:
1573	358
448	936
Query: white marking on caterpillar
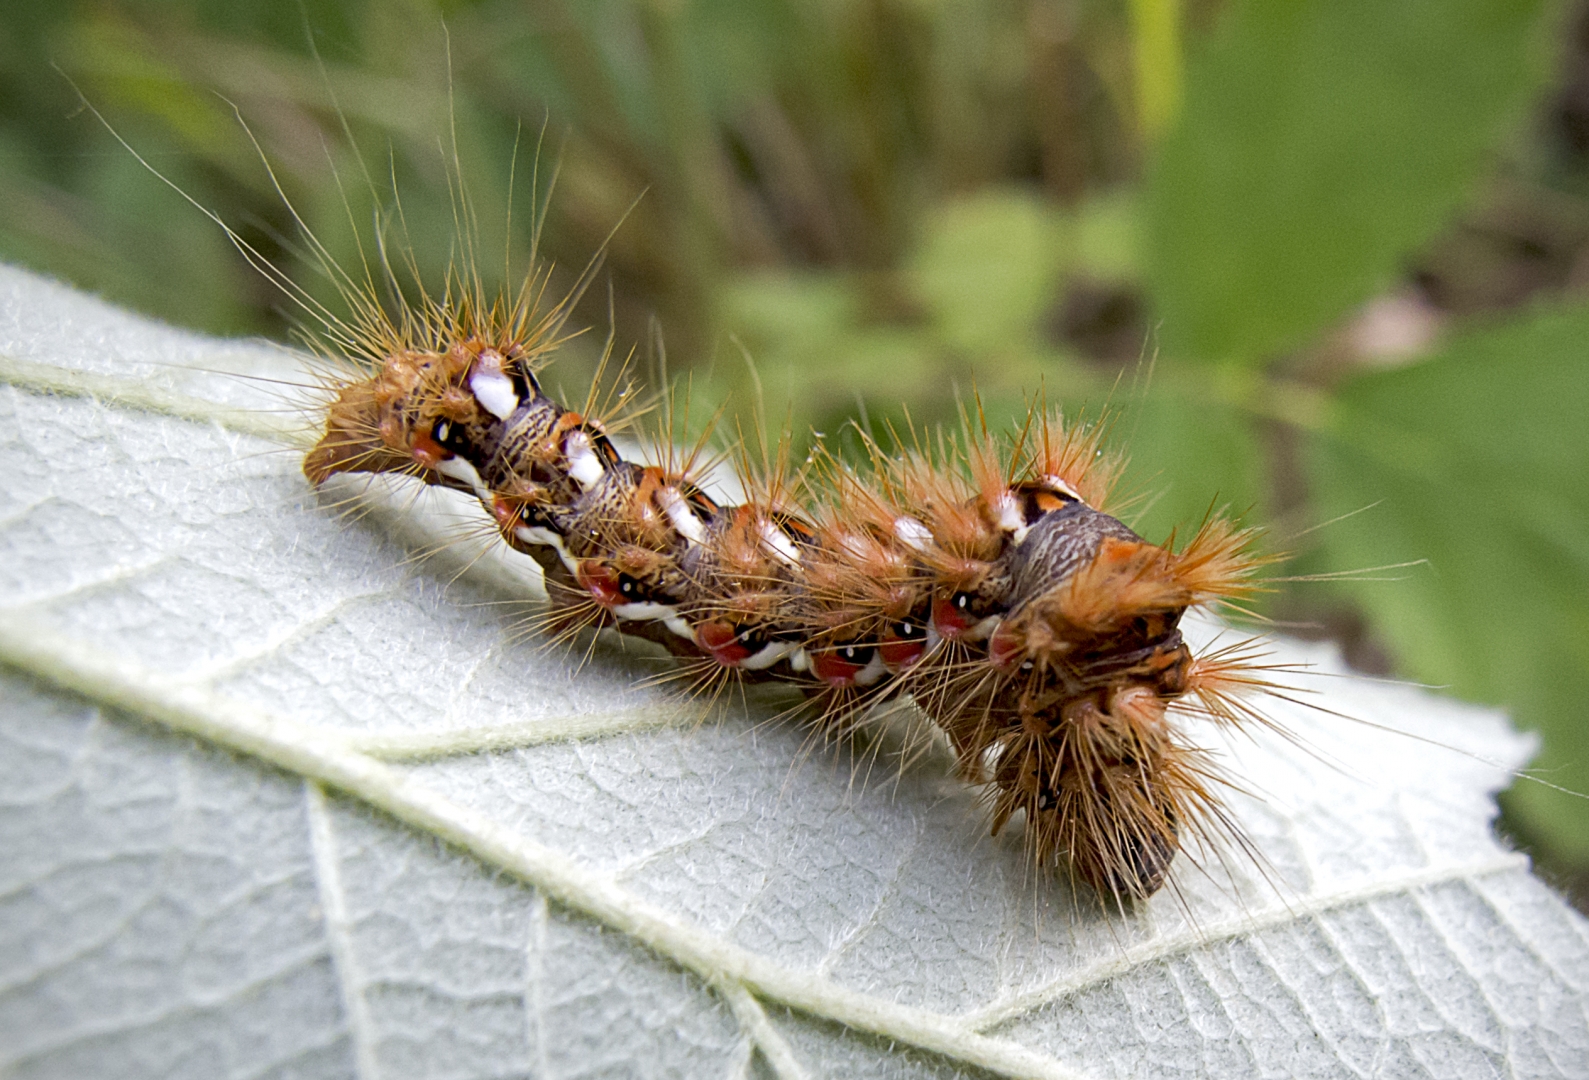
776	544
540	534
875	669
769	655
583	464
491	387
979	631
1011	520
853	545
913	533
645	611
1056	484
680	628
682	517
457	468
800	660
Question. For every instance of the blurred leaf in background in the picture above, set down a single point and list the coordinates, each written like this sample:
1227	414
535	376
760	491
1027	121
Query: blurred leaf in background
1323	141
1317	257
1321	145
1477	459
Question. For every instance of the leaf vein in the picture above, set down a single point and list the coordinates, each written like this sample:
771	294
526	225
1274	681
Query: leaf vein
137	395
334	911
1248	922
434	744
315	756
775	1049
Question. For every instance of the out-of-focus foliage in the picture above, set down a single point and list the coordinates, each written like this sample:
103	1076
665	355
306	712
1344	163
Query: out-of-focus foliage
1478	460
1323	140
1285	244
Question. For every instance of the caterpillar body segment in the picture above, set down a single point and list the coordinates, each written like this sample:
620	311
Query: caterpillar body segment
1039	632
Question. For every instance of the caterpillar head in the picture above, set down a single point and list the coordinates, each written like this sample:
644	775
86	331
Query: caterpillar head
388	423
1087	586
1089	659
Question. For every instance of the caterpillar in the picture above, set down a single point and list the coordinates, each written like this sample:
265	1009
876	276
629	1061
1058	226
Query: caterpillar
987	581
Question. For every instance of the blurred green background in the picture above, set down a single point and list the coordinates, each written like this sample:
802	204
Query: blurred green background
1326	261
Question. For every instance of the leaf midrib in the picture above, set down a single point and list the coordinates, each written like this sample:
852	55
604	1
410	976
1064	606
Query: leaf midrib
329	760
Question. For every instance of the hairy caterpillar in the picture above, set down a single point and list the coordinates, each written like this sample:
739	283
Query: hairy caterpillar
987	581
1034	628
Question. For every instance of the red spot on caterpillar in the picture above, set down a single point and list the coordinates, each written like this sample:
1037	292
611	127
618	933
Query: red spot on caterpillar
1005	647
833	670
721	640
427	451
505	511
949	621
601	581
899	653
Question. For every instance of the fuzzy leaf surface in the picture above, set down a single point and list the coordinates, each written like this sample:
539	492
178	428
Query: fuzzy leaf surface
239	836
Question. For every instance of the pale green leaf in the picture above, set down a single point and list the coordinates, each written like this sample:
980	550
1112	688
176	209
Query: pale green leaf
209	868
